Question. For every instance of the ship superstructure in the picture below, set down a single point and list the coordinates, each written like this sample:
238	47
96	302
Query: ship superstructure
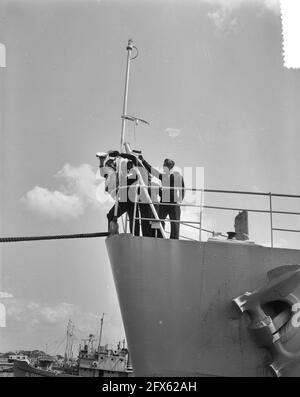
102	361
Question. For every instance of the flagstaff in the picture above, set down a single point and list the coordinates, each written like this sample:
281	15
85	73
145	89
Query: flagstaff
129	49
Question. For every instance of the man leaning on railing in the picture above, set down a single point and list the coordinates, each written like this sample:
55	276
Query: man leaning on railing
172	193
143	202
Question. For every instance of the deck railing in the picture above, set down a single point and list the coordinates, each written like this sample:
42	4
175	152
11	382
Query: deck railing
198	224
269	211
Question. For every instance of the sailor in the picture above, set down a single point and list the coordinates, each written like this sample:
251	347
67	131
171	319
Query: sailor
115	183
143	200
172	193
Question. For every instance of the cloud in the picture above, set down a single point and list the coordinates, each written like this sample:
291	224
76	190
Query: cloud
36	313
221	15
222	21
81	181
5	295
80	190
272	5
173	132
53	315
39	323
53	204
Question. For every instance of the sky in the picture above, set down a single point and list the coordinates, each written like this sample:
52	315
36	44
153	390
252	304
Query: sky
209	79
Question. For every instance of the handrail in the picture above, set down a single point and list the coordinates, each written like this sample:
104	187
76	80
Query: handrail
287	230
168	220
192	224
250	210
217	191
253	193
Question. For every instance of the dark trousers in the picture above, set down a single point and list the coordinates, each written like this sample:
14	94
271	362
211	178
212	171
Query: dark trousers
174	214
129	208
146	212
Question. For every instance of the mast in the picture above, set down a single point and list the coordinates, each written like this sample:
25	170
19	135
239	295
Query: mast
69	344
124	116
129	48
101	328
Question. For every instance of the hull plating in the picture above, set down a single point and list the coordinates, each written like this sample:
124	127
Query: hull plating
176	303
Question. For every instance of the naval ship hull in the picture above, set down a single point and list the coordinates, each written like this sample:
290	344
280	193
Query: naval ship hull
176	299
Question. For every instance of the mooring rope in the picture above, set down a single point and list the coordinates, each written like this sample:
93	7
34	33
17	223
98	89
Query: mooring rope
54	237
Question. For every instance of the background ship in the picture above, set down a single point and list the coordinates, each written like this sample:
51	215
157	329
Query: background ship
43	368
92	361
102	361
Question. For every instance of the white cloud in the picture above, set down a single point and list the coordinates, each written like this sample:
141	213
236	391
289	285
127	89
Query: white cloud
222	15
218	17
222	21
81	180
5	295
54	204
56	314
273	5
80	190
35	313
50	321
173	132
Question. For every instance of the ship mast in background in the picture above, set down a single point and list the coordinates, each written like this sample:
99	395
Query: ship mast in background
69	344
101	329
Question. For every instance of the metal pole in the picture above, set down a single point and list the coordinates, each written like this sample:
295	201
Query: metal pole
100	336
271	218
129	49
144	187
142	184
123	225
126	221
201	209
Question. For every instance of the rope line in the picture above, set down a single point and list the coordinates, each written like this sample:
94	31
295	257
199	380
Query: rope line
54	237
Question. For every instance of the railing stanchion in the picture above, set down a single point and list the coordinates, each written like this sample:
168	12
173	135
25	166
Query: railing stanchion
134	209
126	222
123	224
201	209
271	219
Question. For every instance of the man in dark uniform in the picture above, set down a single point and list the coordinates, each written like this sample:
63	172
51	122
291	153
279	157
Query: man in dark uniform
172	192
143	203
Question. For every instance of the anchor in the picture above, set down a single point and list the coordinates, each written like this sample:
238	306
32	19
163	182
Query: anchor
270	310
